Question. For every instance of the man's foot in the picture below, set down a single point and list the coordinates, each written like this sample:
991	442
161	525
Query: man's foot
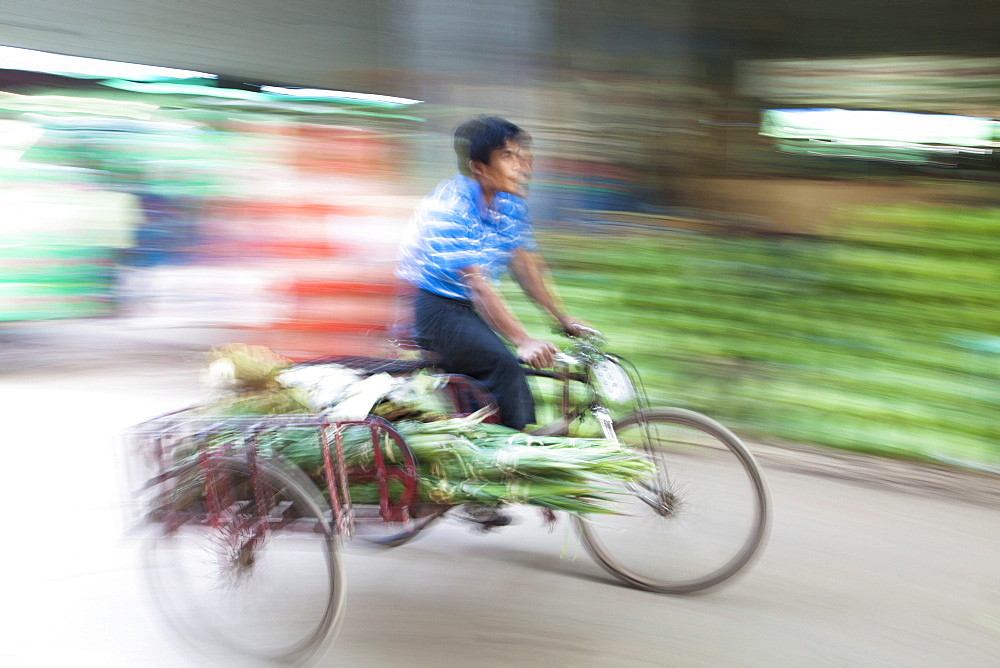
484	515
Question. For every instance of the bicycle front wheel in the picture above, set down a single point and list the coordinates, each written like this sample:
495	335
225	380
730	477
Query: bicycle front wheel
694	523
244	565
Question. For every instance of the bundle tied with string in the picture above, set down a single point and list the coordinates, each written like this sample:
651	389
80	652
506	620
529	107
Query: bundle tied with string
460	459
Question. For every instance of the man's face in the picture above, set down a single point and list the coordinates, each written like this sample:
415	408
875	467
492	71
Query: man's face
509	170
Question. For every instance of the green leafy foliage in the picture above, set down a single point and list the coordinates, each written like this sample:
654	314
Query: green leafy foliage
880	335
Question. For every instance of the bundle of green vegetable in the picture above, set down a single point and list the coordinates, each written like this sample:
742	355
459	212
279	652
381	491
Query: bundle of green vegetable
459	459
463	460
881	334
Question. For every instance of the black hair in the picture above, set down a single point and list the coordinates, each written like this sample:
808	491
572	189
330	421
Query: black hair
476	139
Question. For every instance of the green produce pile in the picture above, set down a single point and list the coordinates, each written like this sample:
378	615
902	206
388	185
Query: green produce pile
462	460
459	459
881	335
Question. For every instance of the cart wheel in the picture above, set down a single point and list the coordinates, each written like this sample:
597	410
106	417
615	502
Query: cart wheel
384	490
396	534
244	566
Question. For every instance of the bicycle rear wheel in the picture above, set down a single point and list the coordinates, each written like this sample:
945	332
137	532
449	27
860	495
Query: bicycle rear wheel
244	566
696	522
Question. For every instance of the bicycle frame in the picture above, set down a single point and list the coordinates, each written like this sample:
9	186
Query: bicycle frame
569	411
586	355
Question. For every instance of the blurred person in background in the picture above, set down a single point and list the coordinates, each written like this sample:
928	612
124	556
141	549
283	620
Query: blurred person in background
463	238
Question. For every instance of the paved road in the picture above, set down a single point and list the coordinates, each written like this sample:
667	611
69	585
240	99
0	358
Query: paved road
857	572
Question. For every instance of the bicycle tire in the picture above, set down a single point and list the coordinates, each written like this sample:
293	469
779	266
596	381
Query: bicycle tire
694	524
402	534
275	594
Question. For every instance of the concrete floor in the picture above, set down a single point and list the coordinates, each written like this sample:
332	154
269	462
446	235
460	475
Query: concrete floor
854	574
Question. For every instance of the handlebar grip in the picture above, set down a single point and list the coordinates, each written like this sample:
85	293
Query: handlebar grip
566	359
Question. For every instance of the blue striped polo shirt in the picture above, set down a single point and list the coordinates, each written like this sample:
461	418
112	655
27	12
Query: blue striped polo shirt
453	228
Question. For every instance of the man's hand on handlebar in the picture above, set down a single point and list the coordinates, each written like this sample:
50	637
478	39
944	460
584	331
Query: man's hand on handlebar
537	353
573	327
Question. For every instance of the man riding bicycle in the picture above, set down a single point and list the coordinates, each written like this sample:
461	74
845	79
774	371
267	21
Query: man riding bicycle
462	238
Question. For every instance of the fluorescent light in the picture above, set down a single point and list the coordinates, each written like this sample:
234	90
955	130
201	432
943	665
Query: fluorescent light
320	93
167	88
860	127
12	58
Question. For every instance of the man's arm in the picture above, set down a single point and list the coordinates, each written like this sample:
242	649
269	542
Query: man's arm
536	352
530	272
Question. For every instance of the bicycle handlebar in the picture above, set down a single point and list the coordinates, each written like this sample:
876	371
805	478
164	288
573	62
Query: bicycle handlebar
563	358
584	332
587	331
586	335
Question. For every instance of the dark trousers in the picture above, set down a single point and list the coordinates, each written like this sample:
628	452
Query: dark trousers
467	345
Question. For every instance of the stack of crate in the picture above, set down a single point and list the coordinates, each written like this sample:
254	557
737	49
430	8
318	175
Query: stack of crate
332	315
322	229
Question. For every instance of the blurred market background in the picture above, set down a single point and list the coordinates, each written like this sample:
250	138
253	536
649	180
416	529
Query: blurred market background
787	214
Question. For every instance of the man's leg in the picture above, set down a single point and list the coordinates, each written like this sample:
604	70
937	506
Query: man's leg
469	346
